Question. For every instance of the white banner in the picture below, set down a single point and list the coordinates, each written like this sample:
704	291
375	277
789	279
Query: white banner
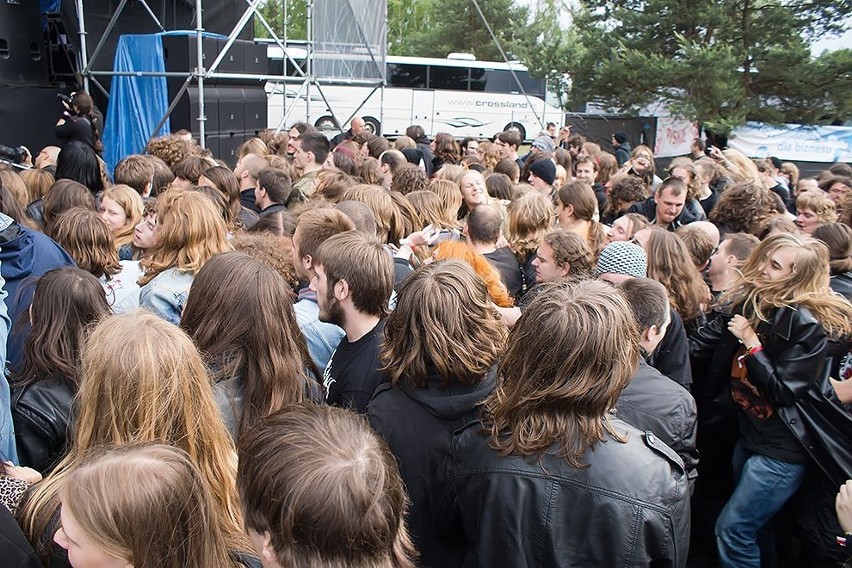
793	142
674	137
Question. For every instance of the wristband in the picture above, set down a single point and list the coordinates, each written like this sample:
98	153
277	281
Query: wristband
755	350
843	540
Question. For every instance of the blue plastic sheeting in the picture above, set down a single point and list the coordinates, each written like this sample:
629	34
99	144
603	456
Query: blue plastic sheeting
136	104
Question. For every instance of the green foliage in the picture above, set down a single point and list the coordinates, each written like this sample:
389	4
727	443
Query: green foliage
441	27
274	11
720	63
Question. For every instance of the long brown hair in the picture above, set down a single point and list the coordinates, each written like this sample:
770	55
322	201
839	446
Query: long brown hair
189	231
131	202
460	334
142	379
164	518
65	303
228	185
240	315
86	238
528	219
670	264
807	285
581	196
569	357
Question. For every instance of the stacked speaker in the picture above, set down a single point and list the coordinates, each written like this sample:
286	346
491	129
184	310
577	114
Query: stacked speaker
28	106
235	108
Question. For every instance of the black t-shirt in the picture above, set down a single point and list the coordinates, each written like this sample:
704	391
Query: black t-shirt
352	374
761	428
505	261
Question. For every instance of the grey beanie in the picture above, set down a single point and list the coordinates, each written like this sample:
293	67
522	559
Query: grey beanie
623	257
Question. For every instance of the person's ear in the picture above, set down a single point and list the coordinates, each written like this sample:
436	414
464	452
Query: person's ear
341	290
267	551
308	262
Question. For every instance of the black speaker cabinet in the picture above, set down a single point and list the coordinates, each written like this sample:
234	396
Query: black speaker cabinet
23	57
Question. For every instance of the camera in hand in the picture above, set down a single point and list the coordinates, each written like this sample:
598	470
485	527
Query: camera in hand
64	98
15	155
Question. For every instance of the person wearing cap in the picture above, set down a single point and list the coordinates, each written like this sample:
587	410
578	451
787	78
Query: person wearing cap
542	175
621	148
622	260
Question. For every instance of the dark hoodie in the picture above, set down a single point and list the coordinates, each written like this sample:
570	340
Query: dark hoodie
418	424
25	255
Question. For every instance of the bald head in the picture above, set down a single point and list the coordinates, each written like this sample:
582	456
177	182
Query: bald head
483	225
708	229
357	125
247	170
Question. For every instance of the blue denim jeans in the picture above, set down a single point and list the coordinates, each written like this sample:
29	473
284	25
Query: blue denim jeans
763	486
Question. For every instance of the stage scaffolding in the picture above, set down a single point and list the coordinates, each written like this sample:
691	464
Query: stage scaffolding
349	46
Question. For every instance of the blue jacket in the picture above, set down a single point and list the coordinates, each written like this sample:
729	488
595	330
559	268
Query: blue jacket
26	255
322	338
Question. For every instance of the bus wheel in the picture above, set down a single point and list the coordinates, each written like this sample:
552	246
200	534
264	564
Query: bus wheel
326	124
515	126
372	125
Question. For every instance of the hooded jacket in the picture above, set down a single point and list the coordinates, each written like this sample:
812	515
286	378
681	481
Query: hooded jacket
24	254
418	424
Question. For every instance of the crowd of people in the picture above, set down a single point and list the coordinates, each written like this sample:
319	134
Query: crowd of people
422	352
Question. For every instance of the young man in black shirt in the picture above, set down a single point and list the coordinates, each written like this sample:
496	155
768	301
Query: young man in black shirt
353	281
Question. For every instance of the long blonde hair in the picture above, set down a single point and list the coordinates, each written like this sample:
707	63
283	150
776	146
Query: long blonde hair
131	202
142	379
806	286
189	231
148	504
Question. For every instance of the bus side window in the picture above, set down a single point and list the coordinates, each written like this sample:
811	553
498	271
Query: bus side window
406	75
448	78
477	79
499	81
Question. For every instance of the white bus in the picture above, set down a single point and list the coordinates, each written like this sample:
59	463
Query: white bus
460	96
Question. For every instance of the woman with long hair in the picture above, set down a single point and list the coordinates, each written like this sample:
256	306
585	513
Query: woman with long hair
446	151
576	206
65	303
84	125
670	264
450	196
228	185
62	196
762	358
164	518
143	380
121	208
528	219
86	238
838	238
78	162
37	183
240	315
489	154
189	231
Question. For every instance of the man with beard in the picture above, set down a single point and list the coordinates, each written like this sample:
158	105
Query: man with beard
353	280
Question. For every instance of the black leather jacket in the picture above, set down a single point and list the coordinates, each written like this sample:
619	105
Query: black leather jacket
629	507
41	412
791	373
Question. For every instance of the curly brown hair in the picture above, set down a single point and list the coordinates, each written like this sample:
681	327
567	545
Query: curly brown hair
743	207
171	149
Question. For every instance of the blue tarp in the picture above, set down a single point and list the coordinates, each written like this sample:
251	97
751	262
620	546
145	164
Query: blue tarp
136	104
